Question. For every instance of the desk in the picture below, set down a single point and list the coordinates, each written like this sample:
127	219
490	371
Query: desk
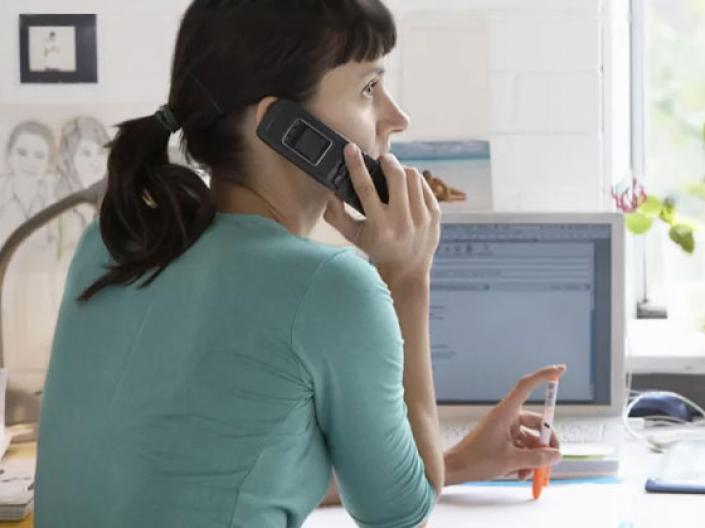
560	505
616	505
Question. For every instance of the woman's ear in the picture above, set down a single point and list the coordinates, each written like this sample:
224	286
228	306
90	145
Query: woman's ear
262	107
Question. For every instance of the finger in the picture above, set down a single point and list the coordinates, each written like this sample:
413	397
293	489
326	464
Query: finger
533	421
337	217
554	442
526	385
530	419
430	199
362	181
523	474
396	183
529	437
417	206
536	458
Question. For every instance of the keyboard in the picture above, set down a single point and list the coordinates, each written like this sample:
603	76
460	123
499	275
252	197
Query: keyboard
587	447
579	432
567	431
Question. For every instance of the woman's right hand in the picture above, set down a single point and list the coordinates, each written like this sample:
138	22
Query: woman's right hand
400	237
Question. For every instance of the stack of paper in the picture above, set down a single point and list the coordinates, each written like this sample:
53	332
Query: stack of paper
586	460
16	489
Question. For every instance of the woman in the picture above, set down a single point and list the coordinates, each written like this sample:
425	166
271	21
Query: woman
211	365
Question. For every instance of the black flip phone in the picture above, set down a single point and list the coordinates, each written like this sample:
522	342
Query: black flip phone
316	149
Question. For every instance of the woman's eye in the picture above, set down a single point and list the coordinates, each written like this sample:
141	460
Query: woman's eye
370	87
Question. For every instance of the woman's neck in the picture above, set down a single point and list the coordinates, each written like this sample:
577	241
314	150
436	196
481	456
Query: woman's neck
230	197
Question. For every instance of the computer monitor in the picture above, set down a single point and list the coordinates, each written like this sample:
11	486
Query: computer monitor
511	293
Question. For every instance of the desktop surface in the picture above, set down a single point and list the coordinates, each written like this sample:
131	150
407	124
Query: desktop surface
620	502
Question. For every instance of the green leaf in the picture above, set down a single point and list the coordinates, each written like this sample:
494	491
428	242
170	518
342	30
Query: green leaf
668	211
682	235
638	223
652	206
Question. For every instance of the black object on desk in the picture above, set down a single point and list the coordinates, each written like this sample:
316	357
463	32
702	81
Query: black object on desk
662	403
682	469
674	486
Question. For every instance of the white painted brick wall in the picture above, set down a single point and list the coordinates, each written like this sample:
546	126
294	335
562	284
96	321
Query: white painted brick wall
545	41
546	172
546	102
555	68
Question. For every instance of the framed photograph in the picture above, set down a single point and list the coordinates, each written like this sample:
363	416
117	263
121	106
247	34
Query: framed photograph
58	49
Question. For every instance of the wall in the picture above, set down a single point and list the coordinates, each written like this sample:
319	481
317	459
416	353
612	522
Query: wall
558	97
135	42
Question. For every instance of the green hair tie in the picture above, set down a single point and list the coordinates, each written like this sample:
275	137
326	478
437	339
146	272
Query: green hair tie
167	119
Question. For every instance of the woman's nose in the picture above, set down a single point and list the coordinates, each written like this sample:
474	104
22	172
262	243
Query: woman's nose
396	119
402	120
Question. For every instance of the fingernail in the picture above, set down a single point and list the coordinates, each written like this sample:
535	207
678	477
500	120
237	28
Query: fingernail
351	149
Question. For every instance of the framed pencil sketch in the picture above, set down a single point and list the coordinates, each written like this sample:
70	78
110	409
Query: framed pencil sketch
58	49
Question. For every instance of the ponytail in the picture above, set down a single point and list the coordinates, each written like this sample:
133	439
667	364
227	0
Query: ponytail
153	210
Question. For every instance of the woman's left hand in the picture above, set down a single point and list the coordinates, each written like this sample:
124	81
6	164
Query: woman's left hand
506	441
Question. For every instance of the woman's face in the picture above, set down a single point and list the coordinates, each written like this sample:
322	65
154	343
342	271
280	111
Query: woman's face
29	156
352	99
89	161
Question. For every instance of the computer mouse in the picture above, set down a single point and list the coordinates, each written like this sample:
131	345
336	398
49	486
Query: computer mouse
662	404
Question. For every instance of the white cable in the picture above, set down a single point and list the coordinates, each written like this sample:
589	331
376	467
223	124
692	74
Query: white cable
659	423
664	423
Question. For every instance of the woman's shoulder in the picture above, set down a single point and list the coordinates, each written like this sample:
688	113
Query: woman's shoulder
350	263
347	274
90	234
271	245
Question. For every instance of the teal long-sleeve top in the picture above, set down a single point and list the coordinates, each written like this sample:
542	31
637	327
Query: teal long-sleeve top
225	392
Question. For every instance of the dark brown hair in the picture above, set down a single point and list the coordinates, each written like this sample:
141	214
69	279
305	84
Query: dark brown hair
229	55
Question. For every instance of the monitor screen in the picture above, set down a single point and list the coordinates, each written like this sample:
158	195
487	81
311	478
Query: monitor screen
509	298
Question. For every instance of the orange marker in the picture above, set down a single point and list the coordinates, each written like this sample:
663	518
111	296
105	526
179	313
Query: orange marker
543	474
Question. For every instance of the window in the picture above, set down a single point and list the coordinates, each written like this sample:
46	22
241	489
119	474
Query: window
668	91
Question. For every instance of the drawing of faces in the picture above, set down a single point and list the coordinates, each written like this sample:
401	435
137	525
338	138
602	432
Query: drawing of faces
29	156
29	151
82	152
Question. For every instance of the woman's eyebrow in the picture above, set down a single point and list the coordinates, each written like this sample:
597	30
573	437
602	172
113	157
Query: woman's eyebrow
377	70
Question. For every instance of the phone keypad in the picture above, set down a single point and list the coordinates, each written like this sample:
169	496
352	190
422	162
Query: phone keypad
339	176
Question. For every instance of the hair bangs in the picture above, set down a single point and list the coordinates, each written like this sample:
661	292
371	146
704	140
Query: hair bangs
366	37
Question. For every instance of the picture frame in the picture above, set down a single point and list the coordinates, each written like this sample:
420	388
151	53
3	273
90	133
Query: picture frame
58	48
